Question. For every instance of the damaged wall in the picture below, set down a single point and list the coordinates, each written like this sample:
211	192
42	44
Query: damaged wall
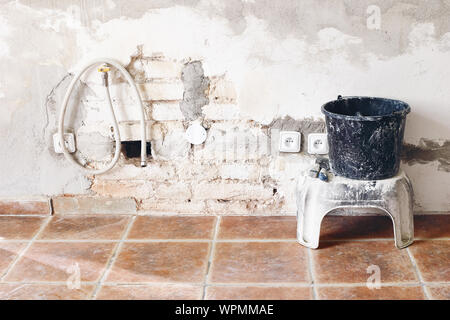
246	69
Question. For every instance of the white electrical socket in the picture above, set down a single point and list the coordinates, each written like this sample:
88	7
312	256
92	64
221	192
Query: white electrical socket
69	140
317	143
290	141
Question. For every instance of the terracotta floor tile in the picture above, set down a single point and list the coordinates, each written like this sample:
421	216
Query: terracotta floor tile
19	227
146	292
432	226
258	293
44	292
439	292
8	252
54	261
364	293
347	262
257	228
146	227
160	262
357	227
251	262
433	259
85	227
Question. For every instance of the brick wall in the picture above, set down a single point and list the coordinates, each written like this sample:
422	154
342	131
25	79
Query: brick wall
238	170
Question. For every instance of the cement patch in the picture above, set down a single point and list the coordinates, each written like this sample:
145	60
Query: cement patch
196	87
304	126
428	151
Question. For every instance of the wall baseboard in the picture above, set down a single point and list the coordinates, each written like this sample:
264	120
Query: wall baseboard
36	206
45	206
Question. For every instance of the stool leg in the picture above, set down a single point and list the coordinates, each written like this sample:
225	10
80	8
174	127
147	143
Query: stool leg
401	210
309	220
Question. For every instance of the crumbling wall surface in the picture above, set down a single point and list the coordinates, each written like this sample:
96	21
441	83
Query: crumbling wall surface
244	69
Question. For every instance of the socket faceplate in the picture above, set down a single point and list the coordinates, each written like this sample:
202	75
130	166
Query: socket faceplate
317	143
290	141
69	140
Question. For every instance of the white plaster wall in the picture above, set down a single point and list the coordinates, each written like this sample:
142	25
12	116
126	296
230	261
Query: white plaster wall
283	59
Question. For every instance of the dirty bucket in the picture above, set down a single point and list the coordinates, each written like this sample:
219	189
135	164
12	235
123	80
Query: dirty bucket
365	136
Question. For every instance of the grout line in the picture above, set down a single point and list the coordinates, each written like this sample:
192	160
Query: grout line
437	283
128	240
237	284
382	239
307	285
153	284
257	240
419	275
98	215
112	259
22	252
260	284
312	274
432	239
363	284
201	240
211	256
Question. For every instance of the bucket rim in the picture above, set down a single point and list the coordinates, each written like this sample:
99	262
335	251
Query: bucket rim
401	113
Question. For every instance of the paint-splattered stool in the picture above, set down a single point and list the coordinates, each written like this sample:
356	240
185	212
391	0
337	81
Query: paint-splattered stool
316	198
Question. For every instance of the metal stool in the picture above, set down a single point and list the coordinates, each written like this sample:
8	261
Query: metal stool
316	198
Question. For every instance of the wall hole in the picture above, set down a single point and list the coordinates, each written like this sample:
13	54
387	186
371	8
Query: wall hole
132	149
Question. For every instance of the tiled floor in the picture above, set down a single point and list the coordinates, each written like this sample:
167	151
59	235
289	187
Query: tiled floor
143	257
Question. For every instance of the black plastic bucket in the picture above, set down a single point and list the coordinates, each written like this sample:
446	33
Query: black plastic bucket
365	136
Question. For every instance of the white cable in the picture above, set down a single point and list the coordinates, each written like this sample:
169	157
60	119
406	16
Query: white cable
130	80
